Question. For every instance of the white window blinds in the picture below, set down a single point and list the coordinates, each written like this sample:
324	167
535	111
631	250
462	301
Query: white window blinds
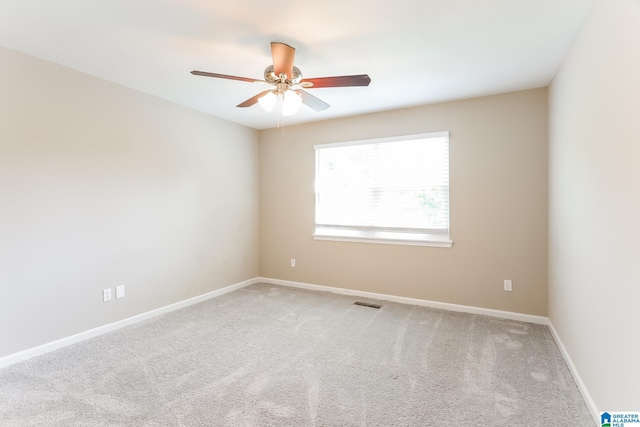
394	185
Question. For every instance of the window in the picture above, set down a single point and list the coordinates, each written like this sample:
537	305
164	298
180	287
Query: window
392	190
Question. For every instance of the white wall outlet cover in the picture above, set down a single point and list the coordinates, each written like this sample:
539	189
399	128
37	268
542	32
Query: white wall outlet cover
508	285
106	295
119	291
293	262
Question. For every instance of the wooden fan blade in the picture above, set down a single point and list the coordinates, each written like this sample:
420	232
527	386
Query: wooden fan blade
253	100
313	102
283	56
338	81
225	76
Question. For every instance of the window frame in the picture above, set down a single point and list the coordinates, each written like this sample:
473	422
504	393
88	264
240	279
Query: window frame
382	235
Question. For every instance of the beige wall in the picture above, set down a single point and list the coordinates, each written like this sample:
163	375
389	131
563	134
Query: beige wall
594	210
101	185
498	177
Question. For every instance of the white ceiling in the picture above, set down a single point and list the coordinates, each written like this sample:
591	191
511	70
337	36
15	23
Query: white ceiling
416	51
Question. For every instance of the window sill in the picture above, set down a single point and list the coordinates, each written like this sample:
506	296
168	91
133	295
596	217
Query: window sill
383	237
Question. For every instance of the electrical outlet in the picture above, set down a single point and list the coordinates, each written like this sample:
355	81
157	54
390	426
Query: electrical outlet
508	285
293	262
119	291
106	295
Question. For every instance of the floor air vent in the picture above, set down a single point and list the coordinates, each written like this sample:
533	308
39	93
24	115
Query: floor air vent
366	304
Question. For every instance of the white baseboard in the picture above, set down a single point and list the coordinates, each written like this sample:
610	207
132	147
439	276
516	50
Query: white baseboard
576	376
63	342
529	318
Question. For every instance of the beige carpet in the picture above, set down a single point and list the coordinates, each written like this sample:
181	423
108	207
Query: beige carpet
274	356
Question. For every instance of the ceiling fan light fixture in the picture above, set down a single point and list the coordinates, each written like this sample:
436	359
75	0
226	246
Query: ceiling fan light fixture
268	101
285	76
291	102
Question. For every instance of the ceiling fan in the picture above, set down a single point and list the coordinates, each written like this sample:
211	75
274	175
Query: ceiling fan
289	83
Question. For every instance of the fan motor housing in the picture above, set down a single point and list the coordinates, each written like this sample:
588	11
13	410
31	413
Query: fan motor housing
270	76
